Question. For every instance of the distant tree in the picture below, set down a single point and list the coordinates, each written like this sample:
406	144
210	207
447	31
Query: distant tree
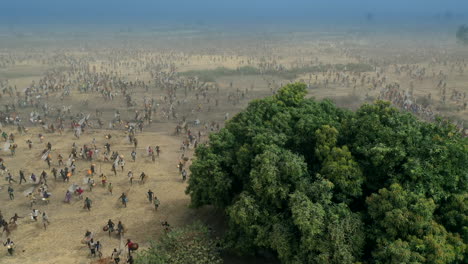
462	34
318	184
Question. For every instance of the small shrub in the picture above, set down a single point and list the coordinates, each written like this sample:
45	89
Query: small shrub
191	244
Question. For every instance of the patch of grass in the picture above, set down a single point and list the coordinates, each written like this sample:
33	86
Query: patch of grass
446	108
22	72
211	75
289	74
12	75
424	101
349	101
354	67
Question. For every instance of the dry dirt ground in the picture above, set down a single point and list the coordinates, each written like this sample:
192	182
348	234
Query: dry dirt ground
60	243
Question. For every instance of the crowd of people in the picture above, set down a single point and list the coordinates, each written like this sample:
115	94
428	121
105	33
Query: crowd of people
36	118
124	92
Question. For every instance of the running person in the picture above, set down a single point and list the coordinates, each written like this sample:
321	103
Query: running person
156	203
110	226
124	199
150	196
116	256
45	220
10	246
87	204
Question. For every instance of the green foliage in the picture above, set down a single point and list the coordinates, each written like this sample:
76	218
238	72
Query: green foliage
340	168
303	178
191	244
330	233
212	173
405	231
397	148
453	213
291	94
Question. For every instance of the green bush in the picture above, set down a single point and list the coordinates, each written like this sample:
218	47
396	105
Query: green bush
191	244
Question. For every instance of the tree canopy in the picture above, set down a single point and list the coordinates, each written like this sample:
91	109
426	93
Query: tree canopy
314	183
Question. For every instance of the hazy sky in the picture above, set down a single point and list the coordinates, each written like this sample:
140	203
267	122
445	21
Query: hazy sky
217	11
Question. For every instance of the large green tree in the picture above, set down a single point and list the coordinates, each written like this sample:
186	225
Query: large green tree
318	184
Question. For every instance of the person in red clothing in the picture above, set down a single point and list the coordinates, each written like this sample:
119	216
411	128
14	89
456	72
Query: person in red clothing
131	246
79	191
